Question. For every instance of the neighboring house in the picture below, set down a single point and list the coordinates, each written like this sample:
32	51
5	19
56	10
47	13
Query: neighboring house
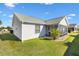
73	27
3	31
76	29
1	26
27	27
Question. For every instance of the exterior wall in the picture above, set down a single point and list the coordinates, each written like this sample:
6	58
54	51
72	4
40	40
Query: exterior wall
28	31
73	28
76	28
17	27
70	29
63	26
64	22
49	28
63	29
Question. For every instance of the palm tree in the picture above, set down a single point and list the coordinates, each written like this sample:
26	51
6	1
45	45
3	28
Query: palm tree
55	33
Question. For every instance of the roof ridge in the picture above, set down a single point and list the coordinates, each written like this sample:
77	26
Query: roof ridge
56	17
29	19
28	16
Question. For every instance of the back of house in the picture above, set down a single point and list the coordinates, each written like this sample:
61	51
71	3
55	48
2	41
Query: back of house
28	27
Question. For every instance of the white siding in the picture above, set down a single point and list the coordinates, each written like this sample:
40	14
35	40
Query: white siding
28	31
63	26
64	22
17	26
76	28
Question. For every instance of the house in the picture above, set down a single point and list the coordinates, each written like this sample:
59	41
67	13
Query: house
76	28
3	31
60	23
28	27
73	27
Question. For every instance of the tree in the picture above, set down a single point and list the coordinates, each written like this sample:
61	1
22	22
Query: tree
9	28
55	33
1	28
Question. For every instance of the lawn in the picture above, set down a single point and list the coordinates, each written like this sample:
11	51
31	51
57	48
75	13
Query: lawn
73	49
10	45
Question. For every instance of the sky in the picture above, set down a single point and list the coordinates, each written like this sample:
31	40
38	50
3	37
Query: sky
44	11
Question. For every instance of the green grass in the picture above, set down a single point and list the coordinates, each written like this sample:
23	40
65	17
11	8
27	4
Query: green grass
71	37
73	50
10	45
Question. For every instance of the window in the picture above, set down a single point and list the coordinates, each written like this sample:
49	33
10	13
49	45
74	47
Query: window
37	28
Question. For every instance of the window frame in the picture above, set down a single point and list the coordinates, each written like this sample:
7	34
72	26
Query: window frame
37	28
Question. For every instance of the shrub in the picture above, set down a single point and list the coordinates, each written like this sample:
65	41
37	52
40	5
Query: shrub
55	33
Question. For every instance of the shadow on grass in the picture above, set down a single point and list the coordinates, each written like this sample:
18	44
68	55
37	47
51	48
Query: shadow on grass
9	37
73	35
45	39
73	47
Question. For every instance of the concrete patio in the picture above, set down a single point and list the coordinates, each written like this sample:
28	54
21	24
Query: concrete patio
62	38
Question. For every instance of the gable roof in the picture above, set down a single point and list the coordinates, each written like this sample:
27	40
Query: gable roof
29	19
55	20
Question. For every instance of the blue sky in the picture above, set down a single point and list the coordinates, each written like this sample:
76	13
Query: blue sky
40	10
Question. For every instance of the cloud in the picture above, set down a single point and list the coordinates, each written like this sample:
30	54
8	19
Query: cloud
10	16
69	17
10	4
72	15
47	3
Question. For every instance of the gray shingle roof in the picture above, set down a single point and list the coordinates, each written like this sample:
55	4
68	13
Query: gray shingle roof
30	19
54	20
